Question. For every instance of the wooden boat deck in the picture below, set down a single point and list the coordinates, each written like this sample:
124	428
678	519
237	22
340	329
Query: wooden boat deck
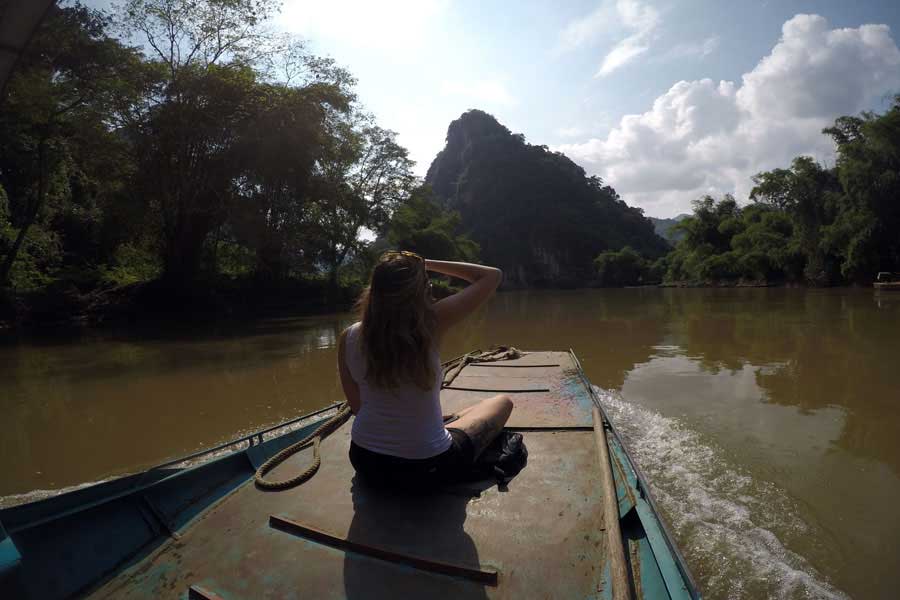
544	536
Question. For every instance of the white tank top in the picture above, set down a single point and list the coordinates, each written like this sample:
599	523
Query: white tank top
405	421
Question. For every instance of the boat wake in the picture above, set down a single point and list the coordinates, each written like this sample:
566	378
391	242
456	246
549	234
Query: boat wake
729	526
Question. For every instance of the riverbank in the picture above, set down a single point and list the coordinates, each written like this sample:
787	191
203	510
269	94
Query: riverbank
727	284
151	303
154	303
66	305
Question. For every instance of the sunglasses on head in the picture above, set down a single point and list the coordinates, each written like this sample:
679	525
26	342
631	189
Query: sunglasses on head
407	253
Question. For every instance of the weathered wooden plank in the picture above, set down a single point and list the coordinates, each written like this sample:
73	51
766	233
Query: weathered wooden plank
501	384
508	365
565	403
530	409
196	592
479	370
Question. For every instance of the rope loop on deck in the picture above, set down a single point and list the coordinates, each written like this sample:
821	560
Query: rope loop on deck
315	438
454	367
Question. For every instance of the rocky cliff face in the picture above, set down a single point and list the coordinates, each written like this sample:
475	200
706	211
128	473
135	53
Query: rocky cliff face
663	228
534	212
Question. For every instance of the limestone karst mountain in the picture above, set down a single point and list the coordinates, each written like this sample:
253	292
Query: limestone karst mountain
535	213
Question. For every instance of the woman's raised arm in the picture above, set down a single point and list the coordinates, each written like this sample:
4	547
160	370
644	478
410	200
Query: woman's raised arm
453	309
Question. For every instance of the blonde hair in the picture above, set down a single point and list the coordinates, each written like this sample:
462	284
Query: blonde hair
398	322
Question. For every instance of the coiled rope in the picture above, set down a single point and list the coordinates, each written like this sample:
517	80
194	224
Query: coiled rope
314	438
454	367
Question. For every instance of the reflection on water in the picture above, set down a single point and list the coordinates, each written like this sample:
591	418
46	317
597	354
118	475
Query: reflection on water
793	392
106	405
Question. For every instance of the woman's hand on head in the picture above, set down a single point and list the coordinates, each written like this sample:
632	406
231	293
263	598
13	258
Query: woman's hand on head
453	309
461	270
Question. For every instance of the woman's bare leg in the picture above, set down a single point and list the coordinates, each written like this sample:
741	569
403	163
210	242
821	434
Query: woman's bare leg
452	417
484	421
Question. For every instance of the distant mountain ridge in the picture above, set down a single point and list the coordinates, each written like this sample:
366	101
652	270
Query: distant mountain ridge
663	228
535	213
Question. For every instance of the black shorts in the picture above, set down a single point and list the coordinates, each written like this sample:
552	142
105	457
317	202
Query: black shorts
384	470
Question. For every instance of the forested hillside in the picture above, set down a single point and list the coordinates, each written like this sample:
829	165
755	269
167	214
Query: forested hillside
534	212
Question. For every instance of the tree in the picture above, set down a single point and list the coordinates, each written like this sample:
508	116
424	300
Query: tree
765	246
278	150
705	227
625	267
421	225
803	191
865	234
198	34
188	158
364	174
187	142
70	82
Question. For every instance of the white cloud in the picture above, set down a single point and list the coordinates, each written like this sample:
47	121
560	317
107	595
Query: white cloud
642	20
638	19
587	29
387	24
570	131
705	137
596	123
700	49
488	92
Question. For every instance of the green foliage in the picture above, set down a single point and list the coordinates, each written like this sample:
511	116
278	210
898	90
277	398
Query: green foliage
364	175
37	261
218	148
130	264
803	192
725	243
236	260
59	156
624	267
421	225
865	234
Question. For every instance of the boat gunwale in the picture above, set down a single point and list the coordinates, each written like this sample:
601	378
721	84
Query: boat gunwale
245	438
644	490
141	487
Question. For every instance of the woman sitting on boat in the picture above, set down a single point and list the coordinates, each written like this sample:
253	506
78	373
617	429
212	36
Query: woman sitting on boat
390	370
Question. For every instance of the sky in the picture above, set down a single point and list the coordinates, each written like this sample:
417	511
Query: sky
664	100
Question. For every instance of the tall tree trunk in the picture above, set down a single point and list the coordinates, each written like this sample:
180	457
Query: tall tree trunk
183	256
33	210
11	257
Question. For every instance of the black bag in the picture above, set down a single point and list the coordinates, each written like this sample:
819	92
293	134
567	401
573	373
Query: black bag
502	460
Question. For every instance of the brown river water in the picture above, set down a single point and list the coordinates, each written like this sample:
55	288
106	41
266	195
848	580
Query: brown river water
766	420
